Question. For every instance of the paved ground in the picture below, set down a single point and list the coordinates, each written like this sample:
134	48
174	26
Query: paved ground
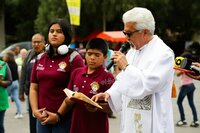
21	125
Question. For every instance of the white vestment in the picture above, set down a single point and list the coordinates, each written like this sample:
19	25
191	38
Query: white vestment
143	91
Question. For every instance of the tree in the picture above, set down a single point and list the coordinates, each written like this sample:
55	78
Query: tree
48	11
2	27
101	15
19	16
98	15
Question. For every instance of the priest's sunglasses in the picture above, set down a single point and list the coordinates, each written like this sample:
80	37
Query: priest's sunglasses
129	33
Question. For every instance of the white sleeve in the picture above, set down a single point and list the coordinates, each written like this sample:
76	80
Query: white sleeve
114	101
138	83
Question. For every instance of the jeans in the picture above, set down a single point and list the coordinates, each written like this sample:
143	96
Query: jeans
187	90
2	114
62	127
13	91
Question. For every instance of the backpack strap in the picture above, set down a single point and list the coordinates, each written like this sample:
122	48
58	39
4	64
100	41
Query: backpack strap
73	55
40	55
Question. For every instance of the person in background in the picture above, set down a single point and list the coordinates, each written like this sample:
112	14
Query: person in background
107	61
81	50
51	74
16	51
20	60
38	45
94	79
195	76
13	89
187	88
142	90
5	81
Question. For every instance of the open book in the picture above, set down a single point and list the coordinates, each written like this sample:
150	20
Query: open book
80	97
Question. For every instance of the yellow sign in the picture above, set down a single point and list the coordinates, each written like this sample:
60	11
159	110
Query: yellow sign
74	7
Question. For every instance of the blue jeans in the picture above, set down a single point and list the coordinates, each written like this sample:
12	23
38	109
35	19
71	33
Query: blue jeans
187	90
2	114
13	91
61	127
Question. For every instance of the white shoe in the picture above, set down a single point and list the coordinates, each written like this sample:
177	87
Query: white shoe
18	116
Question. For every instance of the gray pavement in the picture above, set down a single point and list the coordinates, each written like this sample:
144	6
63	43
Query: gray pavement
22	125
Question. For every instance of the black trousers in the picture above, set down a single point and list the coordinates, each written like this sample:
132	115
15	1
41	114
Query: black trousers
32	120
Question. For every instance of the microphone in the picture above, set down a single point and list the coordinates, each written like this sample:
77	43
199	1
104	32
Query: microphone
124	48
178	61
187	64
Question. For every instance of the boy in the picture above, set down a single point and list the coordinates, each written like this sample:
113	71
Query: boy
89	80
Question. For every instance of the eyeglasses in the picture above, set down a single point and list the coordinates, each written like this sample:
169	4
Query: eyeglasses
36	42
129	33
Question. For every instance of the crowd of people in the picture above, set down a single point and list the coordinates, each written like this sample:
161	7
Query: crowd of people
38	76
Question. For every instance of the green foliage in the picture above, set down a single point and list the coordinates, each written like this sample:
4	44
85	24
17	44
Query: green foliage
2	7
96	14
19	16
48	11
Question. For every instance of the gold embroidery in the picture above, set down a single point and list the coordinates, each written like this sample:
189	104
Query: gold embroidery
138	125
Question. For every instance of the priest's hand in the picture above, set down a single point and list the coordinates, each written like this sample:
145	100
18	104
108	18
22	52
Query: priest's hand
101	97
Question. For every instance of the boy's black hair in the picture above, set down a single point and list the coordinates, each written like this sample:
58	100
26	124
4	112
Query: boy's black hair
99	44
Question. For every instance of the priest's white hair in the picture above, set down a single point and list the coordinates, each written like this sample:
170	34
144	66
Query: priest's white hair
142	17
